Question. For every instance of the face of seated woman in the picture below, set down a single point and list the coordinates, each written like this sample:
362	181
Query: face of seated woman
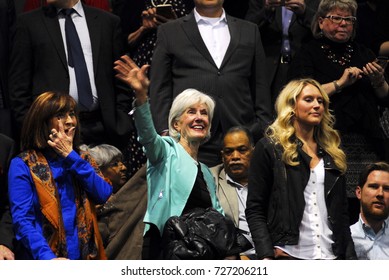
116	172
193	125
333	29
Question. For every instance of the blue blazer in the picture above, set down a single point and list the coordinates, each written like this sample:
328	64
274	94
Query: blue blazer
171	172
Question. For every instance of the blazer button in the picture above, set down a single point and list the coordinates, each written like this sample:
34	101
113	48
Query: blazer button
219	73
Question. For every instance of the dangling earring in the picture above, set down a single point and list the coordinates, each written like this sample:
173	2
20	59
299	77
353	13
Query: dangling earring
321	34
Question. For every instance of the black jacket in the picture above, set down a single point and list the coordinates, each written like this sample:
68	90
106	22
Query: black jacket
275	202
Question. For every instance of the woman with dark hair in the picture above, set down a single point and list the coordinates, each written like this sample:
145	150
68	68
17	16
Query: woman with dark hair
353	79
296	202
52	188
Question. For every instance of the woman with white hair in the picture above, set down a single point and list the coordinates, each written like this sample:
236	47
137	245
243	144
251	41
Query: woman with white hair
177	182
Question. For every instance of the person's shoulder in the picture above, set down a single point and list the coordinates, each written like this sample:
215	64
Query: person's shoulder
215	170
240	21
34	14
6	141
93	11
177	22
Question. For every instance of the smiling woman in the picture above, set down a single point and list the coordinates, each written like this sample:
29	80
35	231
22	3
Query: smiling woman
177	183
52	188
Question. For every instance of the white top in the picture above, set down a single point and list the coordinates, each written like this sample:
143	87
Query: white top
241	192
83	33
215	34
315	239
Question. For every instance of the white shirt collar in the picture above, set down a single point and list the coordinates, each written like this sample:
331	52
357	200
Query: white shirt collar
212	21
232	182
78	8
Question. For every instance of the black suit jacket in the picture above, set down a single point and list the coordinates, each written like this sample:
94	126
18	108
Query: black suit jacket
7	146
7	26
39	64
181	60
270	27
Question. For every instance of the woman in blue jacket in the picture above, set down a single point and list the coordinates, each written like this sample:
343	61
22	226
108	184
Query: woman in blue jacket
52	188
177	182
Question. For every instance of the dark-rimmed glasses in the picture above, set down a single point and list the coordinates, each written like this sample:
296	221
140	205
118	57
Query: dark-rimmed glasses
339	19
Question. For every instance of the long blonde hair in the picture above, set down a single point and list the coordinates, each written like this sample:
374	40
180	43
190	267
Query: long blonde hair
282	131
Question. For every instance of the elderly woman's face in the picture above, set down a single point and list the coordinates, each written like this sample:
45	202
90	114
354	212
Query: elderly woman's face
116	172
68	121
193	124
337	25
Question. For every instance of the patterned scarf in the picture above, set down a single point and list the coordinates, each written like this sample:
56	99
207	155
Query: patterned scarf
90	242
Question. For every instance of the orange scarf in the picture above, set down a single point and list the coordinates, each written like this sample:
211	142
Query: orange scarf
90	242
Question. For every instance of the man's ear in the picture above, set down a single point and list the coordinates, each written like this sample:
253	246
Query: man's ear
358	192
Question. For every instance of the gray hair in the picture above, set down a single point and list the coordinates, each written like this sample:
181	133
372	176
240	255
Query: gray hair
103	154
327	6
183	101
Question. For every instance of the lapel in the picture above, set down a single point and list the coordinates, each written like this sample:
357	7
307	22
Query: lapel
189	25
94	33
230	196
235	33
50	21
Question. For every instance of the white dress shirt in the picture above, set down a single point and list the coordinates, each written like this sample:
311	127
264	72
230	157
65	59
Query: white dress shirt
79	20
215	34
241	192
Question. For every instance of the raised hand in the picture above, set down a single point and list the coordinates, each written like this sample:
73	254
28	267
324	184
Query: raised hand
129	73
61	141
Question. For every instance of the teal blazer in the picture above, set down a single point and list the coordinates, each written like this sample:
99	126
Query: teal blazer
171	172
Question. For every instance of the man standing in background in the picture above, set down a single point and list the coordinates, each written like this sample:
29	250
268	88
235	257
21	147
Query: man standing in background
219	55
70	47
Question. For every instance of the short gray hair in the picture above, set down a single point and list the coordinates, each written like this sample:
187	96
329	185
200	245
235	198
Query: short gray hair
327	6
183	101
103	154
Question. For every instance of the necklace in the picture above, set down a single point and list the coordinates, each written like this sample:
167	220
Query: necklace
344	59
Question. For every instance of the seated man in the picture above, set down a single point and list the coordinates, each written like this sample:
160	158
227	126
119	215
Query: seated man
371	234
232	177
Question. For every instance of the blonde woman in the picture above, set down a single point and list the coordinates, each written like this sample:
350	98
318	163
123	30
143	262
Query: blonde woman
297	204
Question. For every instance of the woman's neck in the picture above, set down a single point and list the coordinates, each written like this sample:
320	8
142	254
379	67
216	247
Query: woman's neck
192	148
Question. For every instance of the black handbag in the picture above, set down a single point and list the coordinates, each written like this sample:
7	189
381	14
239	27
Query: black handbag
199	234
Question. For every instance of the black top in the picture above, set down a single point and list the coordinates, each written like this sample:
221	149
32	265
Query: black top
355	107
199	197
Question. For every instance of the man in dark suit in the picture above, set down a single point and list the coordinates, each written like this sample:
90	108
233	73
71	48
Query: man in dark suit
7	236
39	63
7	25
284	27
219	55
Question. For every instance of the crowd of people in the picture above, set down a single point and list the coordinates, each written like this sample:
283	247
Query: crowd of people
189	129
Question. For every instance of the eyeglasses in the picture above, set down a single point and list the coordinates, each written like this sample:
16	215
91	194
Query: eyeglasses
339	19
